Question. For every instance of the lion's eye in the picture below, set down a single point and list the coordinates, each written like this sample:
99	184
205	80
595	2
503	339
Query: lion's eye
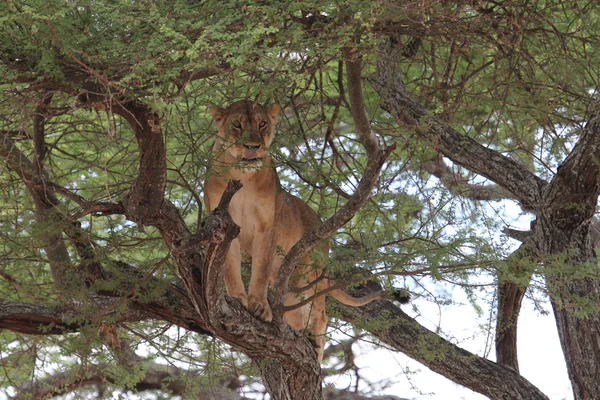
237	125
262	124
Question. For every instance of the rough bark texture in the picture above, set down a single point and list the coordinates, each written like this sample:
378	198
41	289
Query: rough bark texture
35	319
564	209
395	328
288	381
510	298
563	229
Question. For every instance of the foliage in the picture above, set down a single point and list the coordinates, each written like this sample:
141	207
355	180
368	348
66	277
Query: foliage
519	78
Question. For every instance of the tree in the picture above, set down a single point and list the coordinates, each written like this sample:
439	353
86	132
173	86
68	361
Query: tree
395	113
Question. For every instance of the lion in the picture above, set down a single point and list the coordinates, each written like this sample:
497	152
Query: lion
271	221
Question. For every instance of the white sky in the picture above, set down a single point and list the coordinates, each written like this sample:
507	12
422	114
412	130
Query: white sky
540	356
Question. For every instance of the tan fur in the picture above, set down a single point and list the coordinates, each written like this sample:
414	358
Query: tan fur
271	220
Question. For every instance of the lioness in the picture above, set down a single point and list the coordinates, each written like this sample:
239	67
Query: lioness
271	221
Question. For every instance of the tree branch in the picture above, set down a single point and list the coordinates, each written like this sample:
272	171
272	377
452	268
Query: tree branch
524	186
63	273
458	185
407	336
563	230
35	319
203	279
572	195
375	160
512	286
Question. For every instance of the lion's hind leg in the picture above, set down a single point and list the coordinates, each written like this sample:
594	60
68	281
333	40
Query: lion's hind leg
317	324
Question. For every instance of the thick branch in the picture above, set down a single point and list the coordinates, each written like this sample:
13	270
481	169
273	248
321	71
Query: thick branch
563	230
406	335
35	319
143	203
572	196
145	199
510	297
459	148
458	185
512	285
45	204
203	278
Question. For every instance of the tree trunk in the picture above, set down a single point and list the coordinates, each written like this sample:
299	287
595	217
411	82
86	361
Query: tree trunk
580	340
560	236
286	380
510	296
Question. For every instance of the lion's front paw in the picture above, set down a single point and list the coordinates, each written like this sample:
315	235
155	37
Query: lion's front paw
242	297
260	308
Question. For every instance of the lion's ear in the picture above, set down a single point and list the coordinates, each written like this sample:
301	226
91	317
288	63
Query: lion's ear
217	112
273	112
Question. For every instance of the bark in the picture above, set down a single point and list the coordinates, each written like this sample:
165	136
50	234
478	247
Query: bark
510	298
563	230
512	285
144	201
289	381
561	234
395	328
462	150
35	319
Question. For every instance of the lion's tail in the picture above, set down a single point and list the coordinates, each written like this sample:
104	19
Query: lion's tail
400	295
348	300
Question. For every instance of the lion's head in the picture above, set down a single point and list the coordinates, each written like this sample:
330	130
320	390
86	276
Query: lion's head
246	130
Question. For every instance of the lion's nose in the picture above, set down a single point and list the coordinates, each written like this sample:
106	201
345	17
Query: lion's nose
251	146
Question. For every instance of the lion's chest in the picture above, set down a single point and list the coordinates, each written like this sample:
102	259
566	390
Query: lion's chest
254	213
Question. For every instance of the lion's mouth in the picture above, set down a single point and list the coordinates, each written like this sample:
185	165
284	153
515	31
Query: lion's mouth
251	156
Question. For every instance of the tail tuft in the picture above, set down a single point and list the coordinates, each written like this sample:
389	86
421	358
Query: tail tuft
402	295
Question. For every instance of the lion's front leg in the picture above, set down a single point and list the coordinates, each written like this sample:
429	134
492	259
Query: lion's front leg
233	274
263	256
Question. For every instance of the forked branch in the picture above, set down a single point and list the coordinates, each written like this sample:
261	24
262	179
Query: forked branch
376	157
525	186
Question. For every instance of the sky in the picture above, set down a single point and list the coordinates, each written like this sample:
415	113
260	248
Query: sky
540	356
